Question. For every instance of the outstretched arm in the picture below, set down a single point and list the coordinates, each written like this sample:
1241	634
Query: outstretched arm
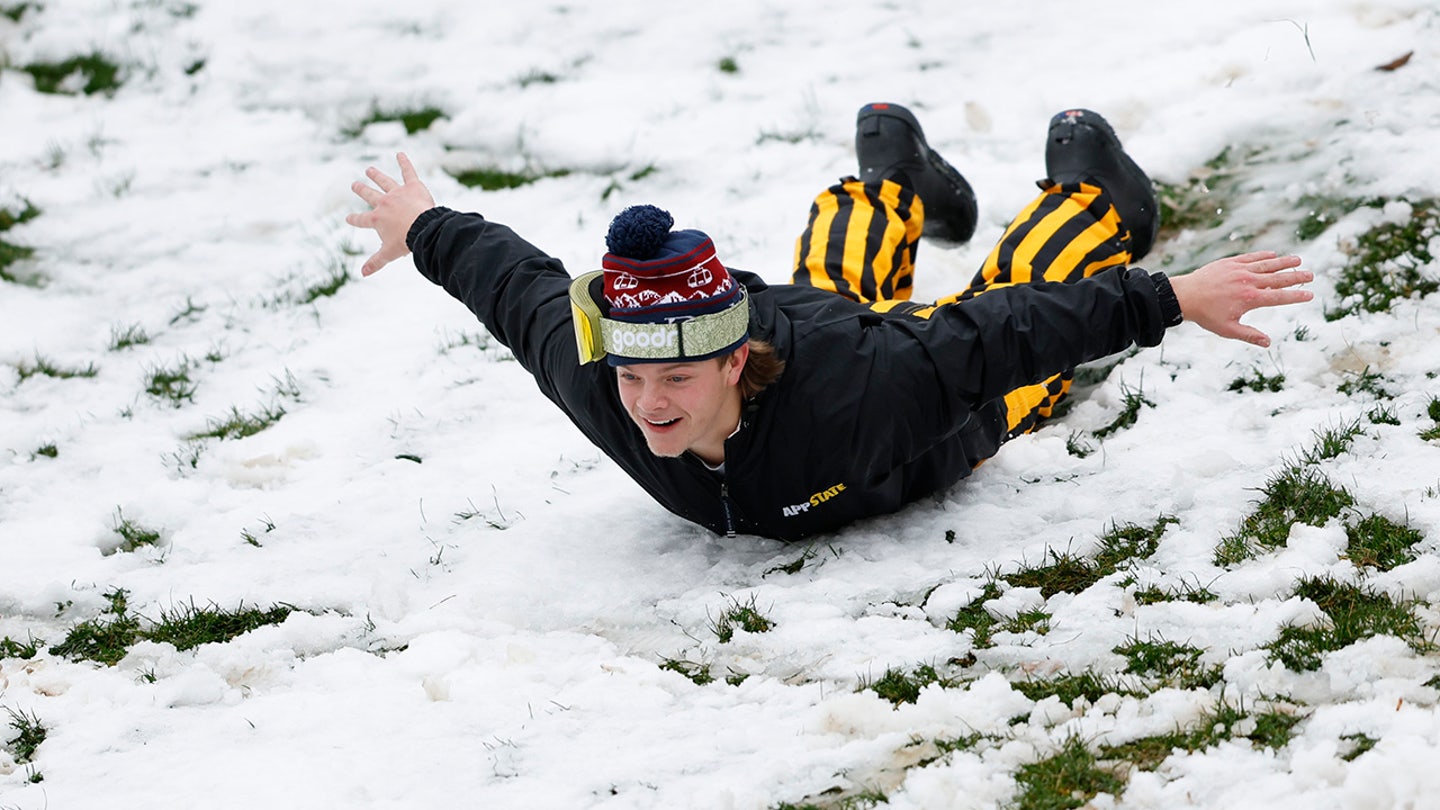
394	208
1220	293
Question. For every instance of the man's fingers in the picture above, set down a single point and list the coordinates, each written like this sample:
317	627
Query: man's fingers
1280	298
379	259
383	180
1239	331
407	169
1272	264
1255	256
1275	281
1254	337
366	193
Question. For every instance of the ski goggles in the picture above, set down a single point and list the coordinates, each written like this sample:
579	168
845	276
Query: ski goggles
695	338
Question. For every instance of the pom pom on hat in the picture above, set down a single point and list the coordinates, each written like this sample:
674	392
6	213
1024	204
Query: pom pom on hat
639	232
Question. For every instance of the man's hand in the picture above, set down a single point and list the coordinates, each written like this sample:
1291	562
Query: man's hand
394	209
1217	295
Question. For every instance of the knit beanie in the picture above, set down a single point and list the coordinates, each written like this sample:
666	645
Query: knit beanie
655	275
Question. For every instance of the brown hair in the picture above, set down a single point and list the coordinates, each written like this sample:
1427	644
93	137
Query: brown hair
762	368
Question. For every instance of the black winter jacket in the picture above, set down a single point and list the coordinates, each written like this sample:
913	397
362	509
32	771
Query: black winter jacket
873	410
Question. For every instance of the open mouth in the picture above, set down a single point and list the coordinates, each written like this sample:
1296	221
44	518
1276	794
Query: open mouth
665	424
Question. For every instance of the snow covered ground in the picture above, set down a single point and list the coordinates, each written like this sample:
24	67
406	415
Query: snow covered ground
487	613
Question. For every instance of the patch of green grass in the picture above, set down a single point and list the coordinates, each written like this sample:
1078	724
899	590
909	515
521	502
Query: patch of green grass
24	650
1035	620
1129	413
1130	541
125	337
414	120
9	219
1388	263
1433	411
698	673
172	383
975	618
1383	415
1076	445
29	734
92	73
839	799
794	566
44	367
1069	687
489	178
1199	203
188	626
1064	572
1233	549
899	686
1353	614
1320	214
1380	542
267	526
189	313
963	743
1067	779
300	288
1366	382
1356	745
1184	592
729	65
11	254
132	534
1071	573
639	174
1272	729
238	425
1331	442
1296	494
48	450
1259	381
17	10
742	616
335	278
1169	663
536	76
106	638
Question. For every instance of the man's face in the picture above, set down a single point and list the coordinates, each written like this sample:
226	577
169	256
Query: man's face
684	406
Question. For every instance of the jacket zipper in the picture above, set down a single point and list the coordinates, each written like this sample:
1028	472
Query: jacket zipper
725	503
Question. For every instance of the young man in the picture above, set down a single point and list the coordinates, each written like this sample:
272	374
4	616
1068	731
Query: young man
794	409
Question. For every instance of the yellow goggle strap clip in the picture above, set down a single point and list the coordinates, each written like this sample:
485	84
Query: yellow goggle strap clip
586	314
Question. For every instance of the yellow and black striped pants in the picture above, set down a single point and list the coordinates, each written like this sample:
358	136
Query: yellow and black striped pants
862	239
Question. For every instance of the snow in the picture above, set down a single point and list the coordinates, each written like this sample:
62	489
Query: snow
487	627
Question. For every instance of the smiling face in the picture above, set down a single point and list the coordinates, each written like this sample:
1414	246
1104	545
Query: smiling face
685	406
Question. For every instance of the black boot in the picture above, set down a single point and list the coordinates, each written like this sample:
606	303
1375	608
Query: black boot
891	146
1082	147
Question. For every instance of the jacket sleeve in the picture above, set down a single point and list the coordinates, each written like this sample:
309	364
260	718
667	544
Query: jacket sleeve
1015	336
518	292
945	367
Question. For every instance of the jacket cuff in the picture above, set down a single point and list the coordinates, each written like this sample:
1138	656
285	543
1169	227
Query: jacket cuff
1170	313
420	223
